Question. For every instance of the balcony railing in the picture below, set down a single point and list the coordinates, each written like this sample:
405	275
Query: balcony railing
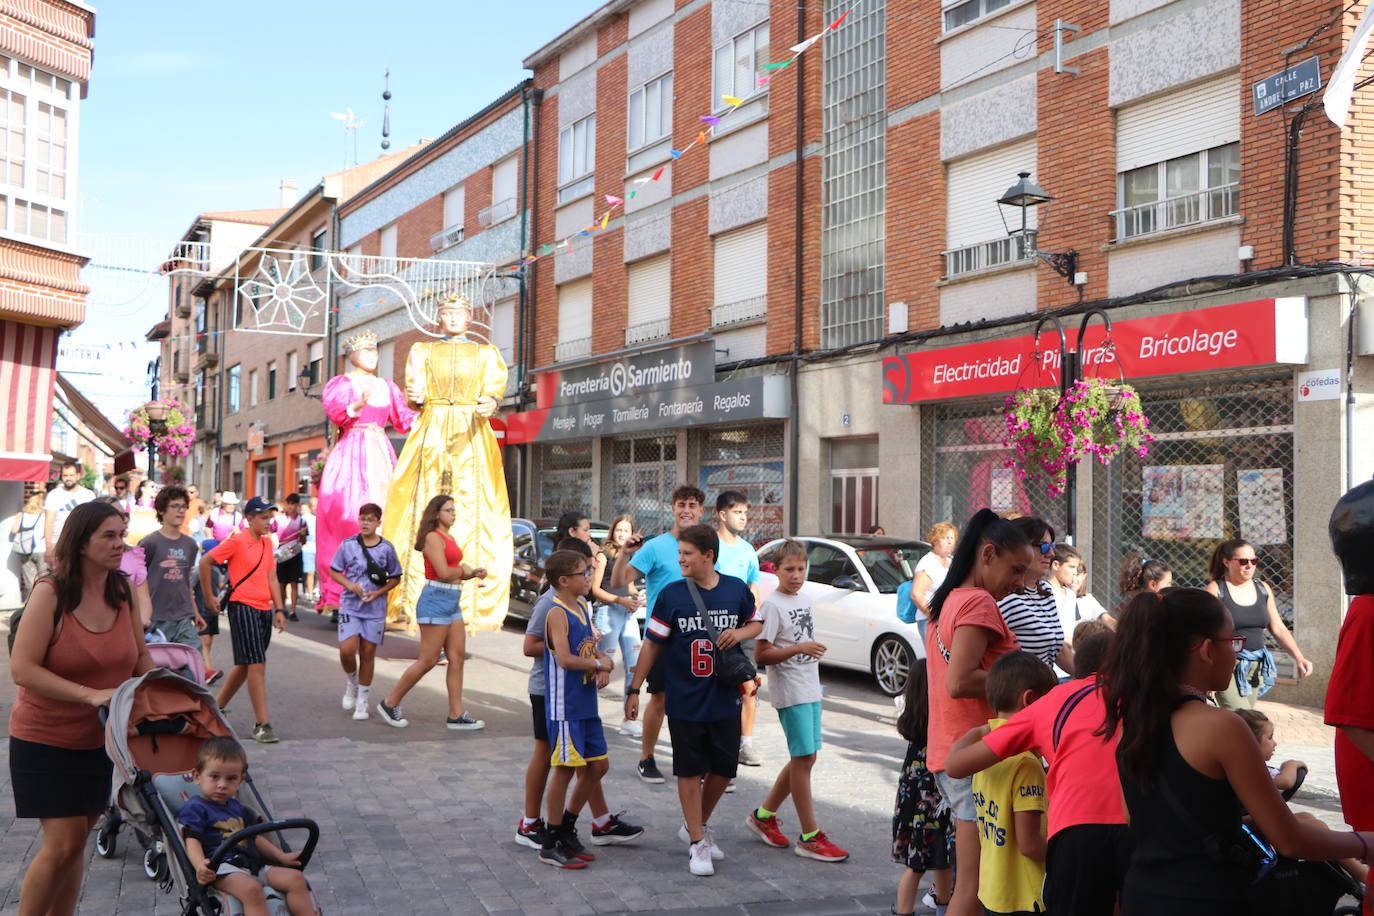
1177	212
745	311
646	331
498	212
572	349
970	259
447	238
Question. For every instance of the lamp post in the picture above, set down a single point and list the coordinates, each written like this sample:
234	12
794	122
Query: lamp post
1024	195
157	425
307	378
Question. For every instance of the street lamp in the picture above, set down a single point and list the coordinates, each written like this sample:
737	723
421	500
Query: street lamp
157	425
1024	195
307	378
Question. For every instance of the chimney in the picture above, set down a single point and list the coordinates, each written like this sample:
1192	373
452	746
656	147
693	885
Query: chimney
288	192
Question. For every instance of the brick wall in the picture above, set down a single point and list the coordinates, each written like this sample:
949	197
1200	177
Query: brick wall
545	318
1356	165
476	197
915	219
416	226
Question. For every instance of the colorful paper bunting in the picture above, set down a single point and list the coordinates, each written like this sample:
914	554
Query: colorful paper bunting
632	195
658	174
713	120
836	23
675	153
801	48
778	66
613	200
644	179
762	80
701	137
605	219
546	249
732	101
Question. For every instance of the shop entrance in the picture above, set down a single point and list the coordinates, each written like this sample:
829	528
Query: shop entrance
565	479
643	477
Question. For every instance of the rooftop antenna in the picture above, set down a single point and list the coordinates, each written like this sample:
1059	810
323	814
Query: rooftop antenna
351	123
386	111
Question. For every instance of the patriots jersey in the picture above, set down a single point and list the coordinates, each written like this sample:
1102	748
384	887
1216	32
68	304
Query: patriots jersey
688	661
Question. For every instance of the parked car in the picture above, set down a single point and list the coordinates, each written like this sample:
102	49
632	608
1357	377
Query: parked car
852	583
533	544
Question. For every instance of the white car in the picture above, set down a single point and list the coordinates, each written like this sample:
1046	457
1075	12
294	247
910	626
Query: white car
852	583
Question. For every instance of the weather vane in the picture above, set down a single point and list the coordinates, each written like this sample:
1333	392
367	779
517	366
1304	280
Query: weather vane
351	123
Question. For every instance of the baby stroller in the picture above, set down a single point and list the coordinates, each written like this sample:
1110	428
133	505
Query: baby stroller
154	728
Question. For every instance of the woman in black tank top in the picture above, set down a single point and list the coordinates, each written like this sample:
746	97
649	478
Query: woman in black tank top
1188	769
1251	603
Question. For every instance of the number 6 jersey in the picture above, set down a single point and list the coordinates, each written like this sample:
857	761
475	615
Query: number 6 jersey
688	659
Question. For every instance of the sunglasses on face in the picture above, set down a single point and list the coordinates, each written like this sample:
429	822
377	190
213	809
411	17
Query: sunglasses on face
1246	561
587	572
1046	549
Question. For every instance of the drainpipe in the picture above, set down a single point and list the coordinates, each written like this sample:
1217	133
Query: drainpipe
331	322
798	294
1350	320
529	189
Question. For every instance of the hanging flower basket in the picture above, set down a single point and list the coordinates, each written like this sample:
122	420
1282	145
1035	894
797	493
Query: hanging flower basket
173	434
1050	432
317	468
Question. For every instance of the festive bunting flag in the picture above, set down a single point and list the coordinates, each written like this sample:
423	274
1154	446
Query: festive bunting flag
762	80
836	23
605	219
801	48
713	120
778	66
546	249
732	101
612	200
675	153
644	180
632	195
658	174
701	137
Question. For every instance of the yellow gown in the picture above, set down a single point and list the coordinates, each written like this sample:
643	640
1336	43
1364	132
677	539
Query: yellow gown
451	449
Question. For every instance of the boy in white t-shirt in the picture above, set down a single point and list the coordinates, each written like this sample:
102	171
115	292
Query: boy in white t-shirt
787	647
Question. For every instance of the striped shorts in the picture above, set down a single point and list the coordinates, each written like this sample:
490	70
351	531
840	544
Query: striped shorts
250	630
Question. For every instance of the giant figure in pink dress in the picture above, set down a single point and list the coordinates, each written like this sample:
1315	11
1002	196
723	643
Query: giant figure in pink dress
359	467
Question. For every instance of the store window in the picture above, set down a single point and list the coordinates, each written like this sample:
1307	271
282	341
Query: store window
643	477
265	479
301	471
748	459
565	479
853	485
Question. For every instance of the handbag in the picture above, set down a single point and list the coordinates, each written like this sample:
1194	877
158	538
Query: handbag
733	667
229	590
375	573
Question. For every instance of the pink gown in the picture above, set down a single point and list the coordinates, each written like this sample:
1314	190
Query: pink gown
358	469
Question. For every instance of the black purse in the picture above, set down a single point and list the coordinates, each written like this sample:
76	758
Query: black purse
733	666
375	573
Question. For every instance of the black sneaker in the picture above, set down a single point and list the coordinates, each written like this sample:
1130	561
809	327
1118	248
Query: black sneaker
555	852
293	617
616	831
391	715
574	845
648	770
532	836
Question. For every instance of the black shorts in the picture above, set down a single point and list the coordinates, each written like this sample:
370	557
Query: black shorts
211	627
654	682
292	571
705	748
53	781
1085	867
541	725
250	630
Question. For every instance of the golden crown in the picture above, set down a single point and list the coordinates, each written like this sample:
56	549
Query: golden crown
367	340
453	301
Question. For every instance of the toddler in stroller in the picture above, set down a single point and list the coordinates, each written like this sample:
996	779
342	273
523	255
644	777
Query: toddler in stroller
154	732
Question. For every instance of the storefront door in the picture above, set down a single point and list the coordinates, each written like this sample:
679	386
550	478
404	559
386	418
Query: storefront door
565	479
643	477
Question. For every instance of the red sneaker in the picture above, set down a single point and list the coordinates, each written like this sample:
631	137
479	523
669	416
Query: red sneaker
820	847
769	830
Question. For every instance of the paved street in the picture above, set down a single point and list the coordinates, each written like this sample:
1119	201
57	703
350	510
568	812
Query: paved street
420	820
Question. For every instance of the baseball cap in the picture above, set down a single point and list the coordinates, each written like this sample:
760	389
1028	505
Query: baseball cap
255	505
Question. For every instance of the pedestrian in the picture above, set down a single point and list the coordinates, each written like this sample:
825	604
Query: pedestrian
120	488
922	830
145	493
607	828
1011	797
291	533
76	641
739	559
703	711
133	566
28	545
226	518
1031	611
615	619
931	570
1251	602
195	513
309	558
439	616
1188	769
170	558
210	621
1087	607
366	567
1140	574
969	634
59	503
787	645
254	604
657	561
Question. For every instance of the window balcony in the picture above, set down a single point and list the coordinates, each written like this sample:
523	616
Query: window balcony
738	314
972	259
183	310
565	350
498	212
1177	212
646	332
447	238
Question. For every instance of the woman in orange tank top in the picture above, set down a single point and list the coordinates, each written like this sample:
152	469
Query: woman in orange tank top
77	640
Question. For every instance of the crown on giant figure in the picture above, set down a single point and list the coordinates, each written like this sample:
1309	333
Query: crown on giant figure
367	340
453	301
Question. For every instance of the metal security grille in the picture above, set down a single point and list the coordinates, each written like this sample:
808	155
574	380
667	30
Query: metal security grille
643	477
565	479
1221	467
748	459
854	199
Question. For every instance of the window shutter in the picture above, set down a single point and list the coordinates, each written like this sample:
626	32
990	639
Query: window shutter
972	187
575	310
741	264
650	290
387	241
454	201
503	328
503	176
1187	121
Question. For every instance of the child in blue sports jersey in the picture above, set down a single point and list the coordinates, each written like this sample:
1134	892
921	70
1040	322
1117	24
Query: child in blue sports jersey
574	669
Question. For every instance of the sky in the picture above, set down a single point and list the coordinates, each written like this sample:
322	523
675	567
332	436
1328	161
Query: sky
197	107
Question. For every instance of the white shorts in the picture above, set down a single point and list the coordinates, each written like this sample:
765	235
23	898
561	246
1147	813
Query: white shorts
226	869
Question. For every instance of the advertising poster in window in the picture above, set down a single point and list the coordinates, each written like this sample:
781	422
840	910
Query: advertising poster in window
762	482
1204	500
1161	502
1262	516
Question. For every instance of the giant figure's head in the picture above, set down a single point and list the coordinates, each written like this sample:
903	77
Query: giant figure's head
1352	538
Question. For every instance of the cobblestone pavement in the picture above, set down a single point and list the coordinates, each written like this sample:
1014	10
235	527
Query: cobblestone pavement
420	820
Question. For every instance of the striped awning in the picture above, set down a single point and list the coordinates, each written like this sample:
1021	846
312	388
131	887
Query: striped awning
28	358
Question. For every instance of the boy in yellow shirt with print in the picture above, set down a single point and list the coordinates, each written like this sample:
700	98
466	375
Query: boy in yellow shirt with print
1010	798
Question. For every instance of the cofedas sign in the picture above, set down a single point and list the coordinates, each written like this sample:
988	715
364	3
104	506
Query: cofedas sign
660	370
1258	333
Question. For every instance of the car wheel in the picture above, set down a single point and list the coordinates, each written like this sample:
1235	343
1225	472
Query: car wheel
892	658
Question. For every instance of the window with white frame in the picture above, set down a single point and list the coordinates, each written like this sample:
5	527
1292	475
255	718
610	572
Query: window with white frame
235	377
387	240
739	63
37	147
293	368
12	131
272	380
318	244
976	237
316	362
252	388
455	199
963	12
576	159
504	176
503	329
741	284
650	112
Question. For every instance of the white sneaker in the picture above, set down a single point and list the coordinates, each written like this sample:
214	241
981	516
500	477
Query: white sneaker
699	860
632	727
716	852
350	695
748	756
708	838
360	705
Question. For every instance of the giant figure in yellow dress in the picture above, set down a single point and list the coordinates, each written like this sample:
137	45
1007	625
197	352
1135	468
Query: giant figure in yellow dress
455	383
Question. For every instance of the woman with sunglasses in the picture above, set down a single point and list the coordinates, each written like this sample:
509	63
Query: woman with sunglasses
1251	603
1031	612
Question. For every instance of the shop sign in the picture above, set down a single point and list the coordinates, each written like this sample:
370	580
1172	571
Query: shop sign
754	398
689	366
1319	385
257	434
1258	333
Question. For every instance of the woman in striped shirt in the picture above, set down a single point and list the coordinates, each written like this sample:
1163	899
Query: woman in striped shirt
1031	612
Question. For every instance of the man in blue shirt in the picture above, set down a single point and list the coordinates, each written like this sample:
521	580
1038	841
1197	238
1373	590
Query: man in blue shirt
703	712
739	559
657	560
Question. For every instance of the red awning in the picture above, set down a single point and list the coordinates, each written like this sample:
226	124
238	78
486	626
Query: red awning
28	356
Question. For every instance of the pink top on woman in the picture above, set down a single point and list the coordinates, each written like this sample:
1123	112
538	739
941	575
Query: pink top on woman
950	717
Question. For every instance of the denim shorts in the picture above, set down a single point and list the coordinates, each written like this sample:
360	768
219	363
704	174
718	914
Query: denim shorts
958	795
438	605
